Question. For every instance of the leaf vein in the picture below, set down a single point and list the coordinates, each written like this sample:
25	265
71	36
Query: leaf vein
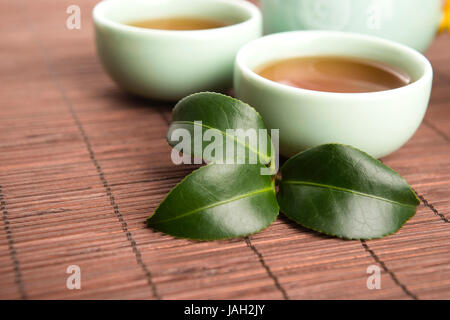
216	204
319	185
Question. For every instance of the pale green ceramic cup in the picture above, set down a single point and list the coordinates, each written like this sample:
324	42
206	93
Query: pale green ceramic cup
168	65
377	122
411	22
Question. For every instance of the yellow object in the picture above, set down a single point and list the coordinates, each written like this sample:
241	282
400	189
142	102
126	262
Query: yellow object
445	23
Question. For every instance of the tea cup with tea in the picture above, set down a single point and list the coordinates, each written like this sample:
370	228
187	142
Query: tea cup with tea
321	87
168	49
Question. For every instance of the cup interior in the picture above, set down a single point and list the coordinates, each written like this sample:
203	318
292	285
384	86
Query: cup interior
329	43
123	12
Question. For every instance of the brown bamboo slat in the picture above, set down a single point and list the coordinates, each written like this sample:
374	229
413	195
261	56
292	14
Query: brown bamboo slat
82	165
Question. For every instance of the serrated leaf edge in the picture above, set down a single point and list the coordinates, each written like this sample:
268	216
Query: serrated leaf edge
325	186
346	145
212	239
343	237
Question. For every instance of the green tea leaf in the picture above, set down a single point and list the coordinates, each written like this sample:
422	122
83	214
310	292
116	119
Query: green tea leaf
217	114
218	202
341	191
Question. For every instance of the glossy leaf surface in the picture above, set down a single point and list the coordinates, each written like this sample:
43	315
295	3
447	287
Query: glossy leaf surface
218	202
218	114
341	191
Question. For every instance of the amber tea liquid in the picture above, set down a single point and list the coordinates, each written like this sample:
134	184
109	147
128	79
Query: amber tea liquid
178	23
334	74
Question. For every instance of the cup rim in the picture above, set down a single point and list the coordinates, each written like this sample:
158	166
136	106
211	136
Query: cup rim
428	70
98	14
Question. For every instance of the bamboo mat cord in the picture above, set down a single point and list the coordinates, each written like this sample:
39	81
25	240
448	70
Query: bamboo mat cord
117	212
386	269
12	250
429	205
95	162
267	268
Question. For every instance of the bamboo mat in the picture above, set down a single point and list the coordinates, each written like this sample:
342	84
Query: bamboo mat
82	165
